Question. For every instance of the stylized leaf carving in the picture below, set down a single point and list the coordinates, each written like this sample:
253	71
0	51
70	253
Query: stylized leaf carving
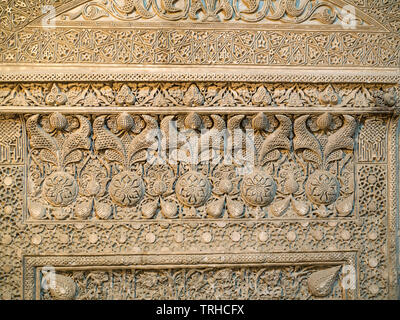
40	139
279	207
77	140
238	140
212	139
48	156
73	156
279	139
169	209
345	206
64	288
305	141
147	139
215	208
235	208
343	138
300	207
171	138
321	282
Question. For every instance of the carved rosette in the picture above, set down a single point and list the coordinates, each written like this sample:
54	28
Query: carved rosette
126	189
301	165
193	189
258	189
322	187
60	189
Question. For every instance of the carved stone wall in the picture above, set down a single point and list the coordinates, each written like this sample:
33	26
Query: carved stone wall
192	150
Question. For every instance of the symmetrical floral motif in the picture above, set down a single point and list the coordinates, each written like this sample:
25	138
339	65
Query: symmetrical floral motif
192	165
126	189
366	235
325	144
93	178
203	94
57	144
360	225
160	187
124	144
226	188
258	189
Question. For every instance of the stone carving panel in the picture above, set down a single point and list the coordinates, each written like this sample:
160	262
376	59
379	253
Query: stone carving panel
190	166
200	283
208	149
377	97
228	278
323	12
306	195
201	47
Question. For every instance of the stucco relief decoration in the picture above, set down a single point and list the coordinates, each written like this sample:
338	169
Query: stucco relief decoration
199	149
192	166
212	10
57	144
262	283
322	145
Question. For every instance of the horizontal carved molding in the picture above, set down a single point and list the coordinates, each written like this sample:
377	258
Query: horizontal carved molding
29	73
310	12
205	97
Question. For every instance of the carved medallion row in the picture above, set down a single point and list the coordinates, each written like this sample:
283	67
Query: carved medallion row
60	148
190	166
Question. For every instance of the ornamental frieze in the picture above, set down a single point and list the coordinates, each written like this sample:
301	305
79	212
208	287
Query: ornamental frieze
36	45
199	149
382	97
197	180
287	11
238	167
314	188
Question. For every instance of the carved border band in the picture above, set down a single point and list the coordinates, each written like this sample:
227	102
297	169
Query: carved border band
34	264
14	73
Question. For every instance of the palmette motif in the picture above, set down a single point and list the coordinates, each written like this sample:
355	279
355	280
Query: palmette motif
191	165
367	237
202	94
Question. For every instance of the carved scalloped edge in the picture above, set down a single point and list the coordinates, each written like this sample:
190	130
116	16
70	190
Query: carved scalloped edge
239	74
